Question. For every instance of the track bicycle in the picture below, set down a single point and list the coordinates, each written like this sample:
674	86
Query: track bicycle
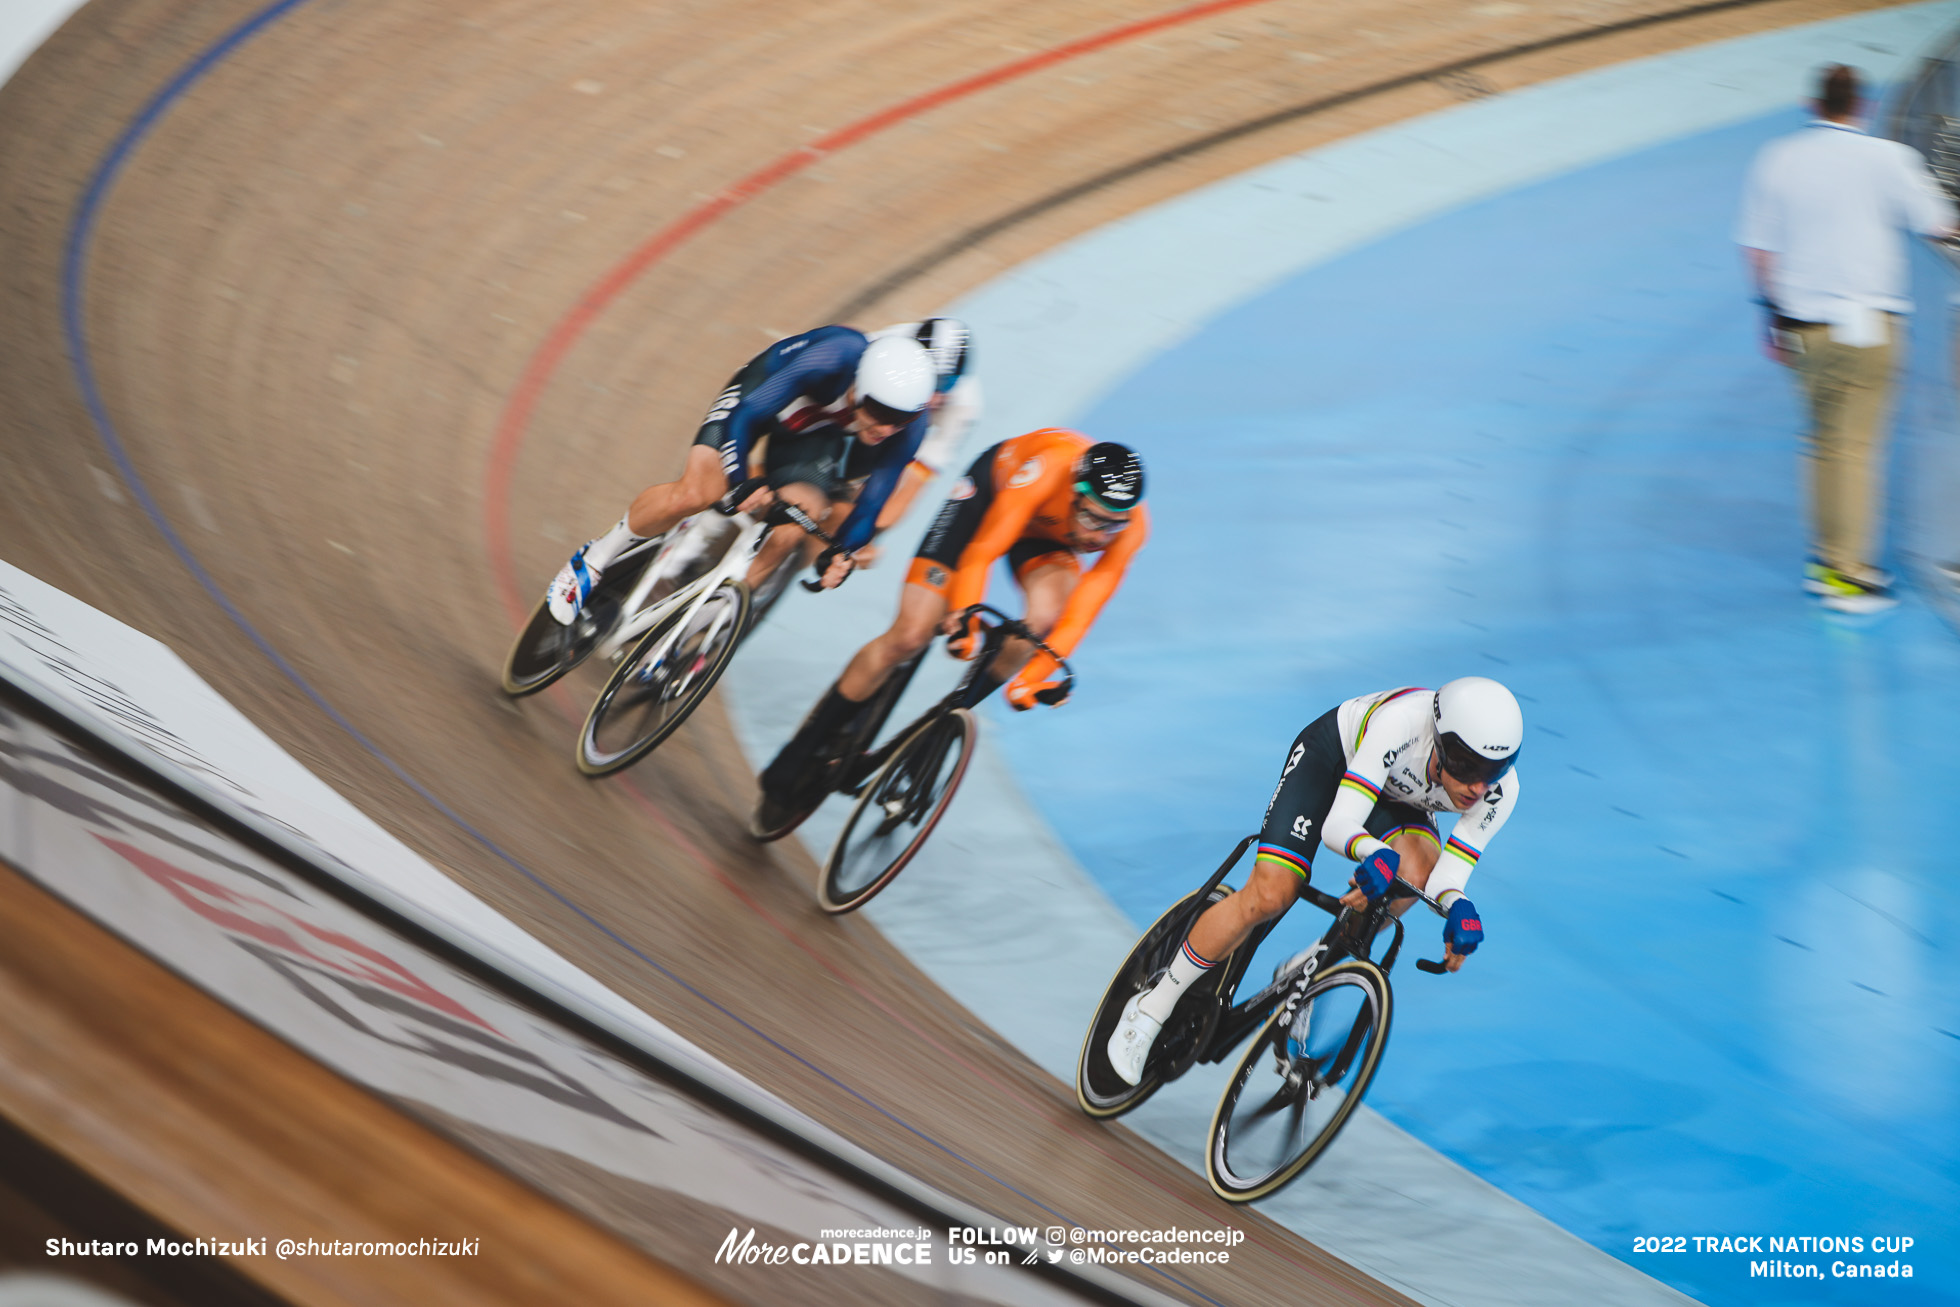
1317	1035
904	786
670	637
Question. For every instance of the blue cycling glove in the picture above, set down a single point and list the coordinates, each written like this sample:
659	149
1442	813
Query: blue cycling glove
1463	931
1372	877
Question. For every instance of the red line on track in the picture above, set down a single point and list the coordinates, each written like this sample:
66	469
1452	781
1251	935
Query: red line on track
513	426
514	423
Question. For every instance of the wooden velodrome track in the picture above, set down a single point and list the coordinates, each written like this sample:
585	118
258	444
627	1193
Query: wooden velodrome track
405	298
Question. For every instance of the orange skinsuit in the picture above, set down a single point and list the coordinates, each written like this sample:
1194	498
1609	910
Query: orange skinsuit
1034	493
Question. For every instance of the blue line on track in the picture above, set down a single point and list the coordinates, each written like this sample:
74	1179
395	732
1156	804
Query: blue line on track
74	273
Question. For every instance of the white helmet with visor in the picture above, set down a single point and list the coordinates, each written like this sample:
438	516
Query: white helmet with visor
895	380
1479	729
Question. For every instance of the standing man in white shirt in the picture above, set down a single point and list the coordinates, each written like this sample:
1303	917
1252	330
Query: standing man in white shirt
1824	219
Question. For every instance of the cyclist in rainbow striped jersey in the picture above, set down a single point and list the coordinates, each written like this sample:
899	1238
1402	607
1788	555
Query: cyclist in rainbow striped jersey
1364	779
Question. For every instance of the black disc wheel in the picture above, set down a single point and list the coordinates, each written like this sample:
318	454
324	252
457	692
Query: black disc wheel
774	818
1098	1089
663	678
896	811
545	651
1300	1080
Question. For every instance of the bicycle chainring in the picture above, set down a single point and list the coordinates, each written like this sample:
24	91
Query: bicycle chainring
1186	1035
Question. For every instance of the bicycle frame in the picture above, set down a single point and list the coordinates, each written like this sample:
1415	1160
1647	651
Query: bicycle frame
870	760
734	564
644	617
1241	1019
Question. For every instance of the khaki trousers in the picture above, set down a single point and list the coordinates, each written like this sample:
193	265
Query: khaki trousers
1844	456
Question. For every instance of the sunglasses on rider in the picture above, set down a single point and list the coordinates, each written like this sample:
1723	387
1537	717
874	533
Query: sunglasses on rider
883	414
1095	523
1466	765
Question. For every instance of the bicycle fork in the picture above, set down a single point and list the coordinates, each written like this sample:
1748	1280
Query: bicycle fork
901	807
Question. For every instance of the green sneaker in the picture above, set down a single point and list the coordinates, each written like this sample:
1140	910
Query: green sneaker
1817	578
1848	594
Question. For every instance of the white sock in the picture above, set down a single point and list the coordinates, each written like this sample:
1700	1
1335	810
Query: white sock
1185	968
600	553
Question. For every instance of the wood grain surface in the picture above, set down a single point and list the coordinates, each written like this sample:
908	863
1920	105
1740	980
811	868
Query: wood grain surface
187	1109
312	301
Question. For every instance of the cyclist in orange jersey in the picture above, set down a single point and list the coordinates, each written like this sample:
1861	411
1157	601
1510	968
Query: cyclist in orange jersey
1039	500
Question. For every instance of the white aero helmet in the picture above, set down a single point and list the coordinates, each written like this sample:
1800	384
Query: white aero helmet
895	379
1479	729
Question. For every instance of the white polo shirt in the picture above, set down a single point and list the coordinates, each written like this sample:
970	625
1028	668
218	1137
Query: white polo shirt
1832	204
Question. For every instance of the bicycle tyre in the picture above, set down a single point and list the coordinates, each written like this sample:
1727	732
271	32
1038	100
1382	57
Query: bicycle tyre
599	756
545	651
1098	1090
811	795
1239	1129
845	887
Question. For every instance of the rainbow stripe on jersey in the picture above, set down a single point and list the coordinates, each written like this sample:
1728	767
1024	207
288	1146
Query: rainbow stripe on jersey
1286	858
1462	850
1383	702
1360	785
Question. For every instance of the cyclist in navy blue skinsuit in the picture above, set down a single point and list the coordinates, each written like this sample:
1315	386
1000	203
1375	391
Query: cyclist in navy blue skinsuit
837	408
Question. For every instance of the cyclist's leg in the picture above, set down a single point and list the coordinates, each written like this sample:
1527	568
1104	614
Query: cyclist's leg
921	608
1306	789
712	463
711	467
1048	574
1287	840
922	600
920	611
701	483
1307	784
807	496
655	510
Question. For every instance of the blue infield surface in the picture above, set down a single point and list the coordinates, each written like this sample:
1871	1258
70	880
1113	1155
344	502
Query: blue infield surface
1534	439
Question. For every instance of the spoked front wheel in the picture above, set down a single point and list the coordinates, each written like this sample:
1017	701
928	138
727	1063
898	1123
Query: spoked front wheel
1299	1082
897	810
662	679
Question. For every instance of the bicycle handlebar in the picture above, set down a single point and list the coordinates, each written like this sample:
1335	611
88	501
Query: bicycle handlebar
782	513
1329	903
1014	626
1434	906
795	516
731	503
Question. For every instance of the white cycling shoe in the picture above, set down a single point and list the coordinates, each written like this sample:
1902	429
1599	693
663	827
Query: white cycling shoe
571	587
1130	1043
